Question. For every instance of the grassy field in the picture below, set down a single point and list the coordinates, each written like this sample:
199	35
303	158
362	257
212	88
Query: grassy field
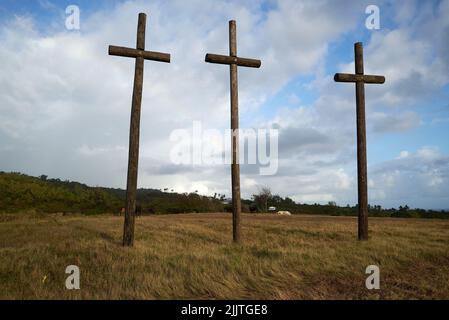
191	256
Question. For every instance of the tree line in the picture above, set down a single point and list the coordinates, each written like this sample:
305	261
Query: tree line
20	192
264	199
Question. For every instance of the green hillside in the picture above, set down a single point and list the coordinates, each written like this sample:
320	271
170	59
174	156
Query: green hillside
20	192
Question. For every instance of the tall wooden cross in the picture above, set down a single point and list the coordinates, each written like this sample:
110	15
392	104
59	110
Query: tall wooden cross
133	158
233	61
359	78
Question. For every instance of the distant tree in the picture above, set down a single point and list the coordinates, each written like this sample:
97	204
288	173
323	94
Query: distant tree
262	197
43	177
332	204
275	201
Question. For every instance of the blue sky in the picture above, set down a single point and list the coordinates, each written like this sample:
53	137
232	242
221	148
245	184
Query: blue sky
301	45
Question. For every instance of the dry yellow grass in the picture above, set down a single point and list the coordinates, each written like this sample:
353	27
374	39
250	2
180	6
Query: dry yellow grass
191	257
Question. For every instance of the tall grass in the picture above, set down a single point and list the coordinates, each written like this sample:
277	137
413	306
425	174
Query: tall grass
191	256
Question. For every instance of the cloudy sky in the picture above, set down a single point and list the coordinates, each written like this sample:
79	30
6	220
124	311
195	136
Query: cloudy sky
65	104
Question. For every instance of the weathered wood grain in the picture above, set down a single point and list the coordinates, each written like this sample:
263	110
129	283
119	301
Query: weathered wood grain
135	53
347	77
241	62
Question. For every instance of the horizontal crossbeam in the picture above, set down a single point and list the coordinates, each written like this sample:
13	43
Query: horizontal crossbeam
135	53
242	62
347	77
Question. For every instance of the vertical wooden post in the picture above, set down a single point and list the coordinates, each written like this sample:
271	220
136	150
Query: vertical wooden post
361	146
235	167
134	134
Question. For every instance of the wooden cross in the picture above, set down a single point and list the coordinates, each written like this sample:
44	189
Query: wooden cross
233	61
360	79
133	159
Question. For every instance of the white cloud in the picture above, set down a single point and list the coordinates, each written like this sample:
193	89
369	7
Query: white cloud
403	154
417	179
